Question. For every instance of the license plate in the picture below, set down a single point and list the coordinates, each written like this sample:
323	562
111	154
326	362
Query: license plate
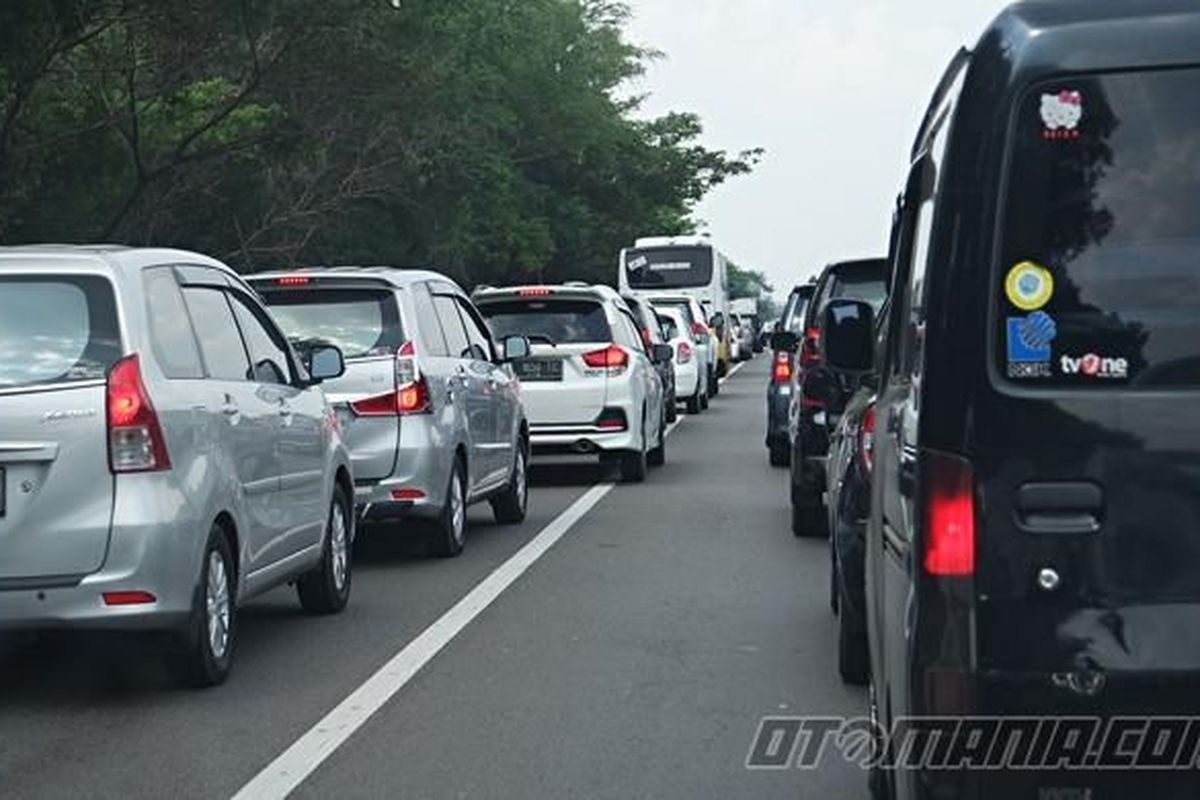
539	369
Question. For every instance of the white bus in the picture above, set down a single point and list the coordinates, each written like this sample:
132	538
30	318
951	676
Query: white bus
681	265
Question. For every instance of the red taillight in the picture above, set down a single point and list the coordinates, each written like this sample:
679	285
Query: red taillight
866	438
683	353
293	280
135	438
612	419
611	357
411	395
128	598
408	494
781	371
810	347
949	516
535	291
699	329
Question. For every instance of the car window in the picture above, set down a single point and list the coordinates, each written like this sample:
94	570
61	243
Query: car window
360	322
457	342
268	356
477	334
433	341
220	343
669	328
56	330
626	332
171	337
547	320
1097	286
680	306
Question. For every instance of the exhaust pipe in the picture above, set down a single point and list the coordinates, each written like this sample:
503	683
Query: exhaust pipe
584	446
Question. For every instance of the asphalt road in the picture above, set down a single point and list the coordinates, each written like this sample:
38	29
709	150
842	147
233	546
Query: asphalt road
633	659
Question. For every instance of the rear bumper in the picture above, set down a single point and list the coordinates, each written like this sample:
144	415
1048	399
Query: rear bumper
423	461
582	440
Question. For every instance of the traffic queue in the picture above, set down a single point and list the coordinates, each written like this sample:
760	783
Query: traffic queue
177	439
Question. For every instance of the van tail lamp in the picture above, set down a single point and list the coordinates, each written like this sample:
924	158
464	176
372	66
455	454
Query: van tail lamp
781	370
699	330
535	291
411	395
128	598
866	439
612	419
293	280
612	358
810	347
949	516
135	438
683	353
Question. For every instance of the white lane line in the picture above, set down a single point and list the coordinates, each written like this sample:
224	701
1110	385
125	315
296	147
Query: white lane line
279	778
732	372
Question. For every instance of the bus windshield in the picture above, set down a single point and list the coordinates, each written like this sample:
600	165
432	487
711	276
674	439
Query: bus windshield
669	267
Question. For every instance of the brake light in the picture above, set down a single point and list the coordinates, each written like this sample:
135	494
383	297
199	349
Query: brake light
781	372
612	357
949	516
683	353
810	348
699	329
866	439
128	598
611	419
293	280
407	495
135	438
411	395
535	291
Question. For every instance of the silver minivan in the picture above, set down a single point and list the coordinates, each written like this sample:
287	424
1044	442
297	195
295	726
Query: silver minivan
164	454
430	406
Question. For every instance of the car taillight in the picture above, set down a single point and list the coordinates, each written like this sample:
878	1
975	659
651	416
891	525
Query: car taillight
612	358
699	330
612	419
683	353
135	438
810	348
293	280
949	516
781	371
866	440
411	395
128	598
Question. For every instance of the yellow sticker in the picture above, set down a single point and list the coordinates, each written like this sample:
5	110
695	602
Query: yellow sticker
1029	286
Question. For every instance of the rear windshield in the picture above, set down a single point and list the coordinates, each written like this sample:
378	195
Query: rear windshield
668	267
548	321
56	330
863	283
1098	285
360	322
682	306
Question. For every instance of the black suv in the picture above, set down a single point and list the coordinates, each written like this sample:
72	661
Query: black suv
1033	545
818	394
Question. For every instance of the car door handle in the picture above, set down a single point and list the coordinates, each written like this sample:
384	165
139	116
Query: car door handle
1061	508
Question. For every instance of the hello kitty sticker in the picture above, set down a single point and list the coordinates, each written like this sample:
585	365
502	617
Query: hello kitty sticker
1061	114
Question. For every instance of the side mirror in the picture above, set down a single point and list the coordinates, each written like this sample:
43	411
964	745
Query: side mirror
785	342
325	362
514	348
847	336
662	353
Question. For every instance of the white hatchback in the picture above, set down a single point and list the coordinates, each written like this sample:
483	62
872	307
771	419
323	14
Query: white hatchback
589	385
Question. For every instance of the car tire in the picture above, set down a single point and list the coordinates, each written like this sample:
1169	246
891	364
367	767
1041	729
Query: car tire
779	455
511	506
854	660
207	643
634	462
450	528
326	588
694	405
658	456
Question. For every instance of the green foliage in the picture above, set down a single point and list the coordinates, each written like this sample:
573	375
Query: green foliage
748	283
484	137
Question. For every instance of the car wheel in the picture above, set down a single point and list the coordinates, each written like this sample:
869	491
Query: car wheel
210	638
694	404
633	462
780	455
658	456
854	661
510	507
326	589
450	531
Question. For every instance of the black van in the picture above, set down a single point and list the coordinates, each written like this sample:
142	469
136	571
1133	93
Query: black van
1033	546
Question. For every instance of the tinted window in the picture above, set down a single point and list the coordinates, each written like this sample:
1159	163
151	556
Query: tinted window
171	336
556	321
864	283
457	341
361	322
56	330
220	343
669	267
669	328
434	343
475	332
1099	279
268	357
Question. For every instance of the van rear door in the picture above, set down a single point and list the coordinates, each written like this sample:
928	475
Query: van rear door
59	336
362	317
1088	447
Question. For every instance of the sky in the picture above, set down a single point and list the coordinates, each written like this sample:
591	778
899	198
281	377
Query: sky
833	90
